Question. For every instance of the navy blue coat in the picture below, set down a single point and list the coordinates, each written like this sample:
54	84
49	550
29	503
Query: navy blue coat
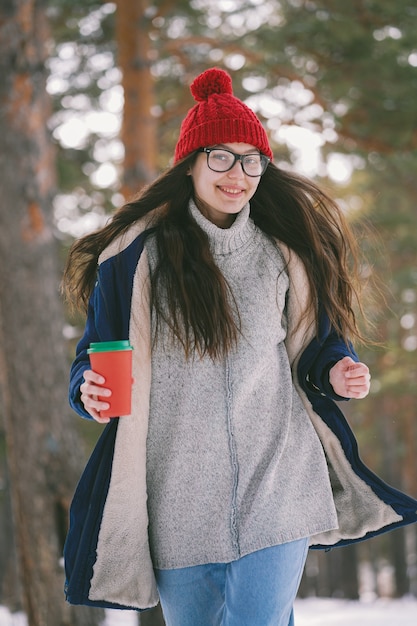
367	505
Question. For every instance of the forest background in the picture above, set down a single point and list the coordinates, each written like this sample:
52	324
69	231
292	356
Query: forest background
91	98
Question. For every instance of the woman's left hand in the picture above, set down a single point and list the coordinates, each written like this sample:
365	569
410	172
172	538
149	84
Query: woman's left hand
350	379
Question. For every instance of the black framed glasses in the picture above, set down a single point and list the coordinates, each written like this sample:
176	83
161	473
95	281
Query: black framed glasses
222	160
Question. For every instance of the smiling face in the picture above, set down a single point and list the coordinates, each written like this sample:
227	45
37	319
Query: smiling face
221	195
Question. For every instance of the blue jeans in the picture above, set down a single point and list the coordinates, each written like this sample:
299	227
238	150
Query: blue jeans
257	590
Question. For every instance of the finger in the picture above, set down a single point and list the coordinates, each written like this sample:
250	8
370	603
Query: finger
347	361
88	389
94	407
93	384
97	417
357	380
90	376
102	420
358	391
357	369
359	386
93	402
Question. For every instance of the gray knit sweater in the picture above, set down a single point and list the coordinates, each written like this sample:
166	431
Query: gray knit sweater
233	462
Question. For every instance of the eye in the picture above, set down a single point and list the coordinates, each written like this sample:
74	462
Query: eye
222	157
252	159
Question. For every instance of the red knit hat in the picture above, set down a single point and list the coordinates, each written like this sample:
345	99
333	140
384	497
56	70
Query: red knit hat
218	117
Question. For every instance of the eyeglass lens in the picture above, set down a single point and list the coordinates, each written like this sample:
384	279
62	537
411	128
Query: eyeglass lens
223	160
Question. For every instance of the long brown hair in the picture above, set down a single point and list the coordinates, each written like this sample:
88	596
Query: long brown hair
188	290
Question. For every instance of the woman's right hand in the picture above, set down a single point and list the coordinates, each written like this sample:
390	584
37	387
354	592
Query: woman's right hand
90	389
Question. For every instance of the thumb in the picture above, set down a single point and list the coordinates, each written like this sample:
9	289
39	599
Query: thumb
347	362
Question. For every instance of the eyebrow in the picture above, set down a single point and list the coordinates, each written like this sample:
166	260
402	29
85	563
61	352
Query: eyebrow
222	145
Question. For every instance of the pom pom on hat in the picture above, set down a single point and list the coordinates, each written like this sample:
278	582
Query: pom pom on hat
218	117
210	82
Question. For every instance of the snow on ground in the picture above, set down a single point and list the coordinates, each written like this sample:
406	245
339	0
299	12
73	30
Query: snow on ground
310	612
119	618
11	619
382	612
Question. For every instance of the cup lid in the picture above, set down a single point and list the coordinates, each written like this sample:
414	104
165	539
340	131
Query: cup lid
109	346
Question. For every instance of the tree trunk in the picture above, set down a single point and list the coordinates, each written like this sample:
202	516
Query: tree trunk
398	558
154	617
10	592
138	132
43	453
349	572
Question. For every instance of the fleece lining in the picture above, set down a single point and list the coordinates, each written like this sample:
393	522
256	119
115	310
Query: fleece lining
108	561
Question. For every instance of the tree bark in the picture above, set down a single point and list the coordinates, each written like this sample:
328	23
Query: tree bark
154	617
43	452
398	558
10	592
138	132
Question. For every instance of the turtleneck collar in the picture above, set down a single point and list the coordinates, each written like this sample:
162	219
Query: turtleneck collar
226	240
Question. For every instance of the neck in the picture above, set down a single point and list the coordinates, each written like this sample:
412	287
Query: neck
221	220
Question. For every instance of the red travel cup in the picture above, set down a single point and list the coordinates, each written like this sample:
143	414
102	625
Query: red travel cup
113	360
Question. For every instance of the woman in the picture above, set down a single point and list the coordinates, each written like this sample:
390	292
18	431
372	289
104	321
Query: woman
232	280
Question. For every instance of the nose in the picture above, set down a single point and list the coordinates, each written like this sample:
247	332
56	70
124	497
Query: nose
237	170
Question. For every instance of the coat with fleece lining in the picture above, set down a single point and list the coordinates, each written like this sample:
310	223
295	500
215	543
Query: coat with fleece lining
107	557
